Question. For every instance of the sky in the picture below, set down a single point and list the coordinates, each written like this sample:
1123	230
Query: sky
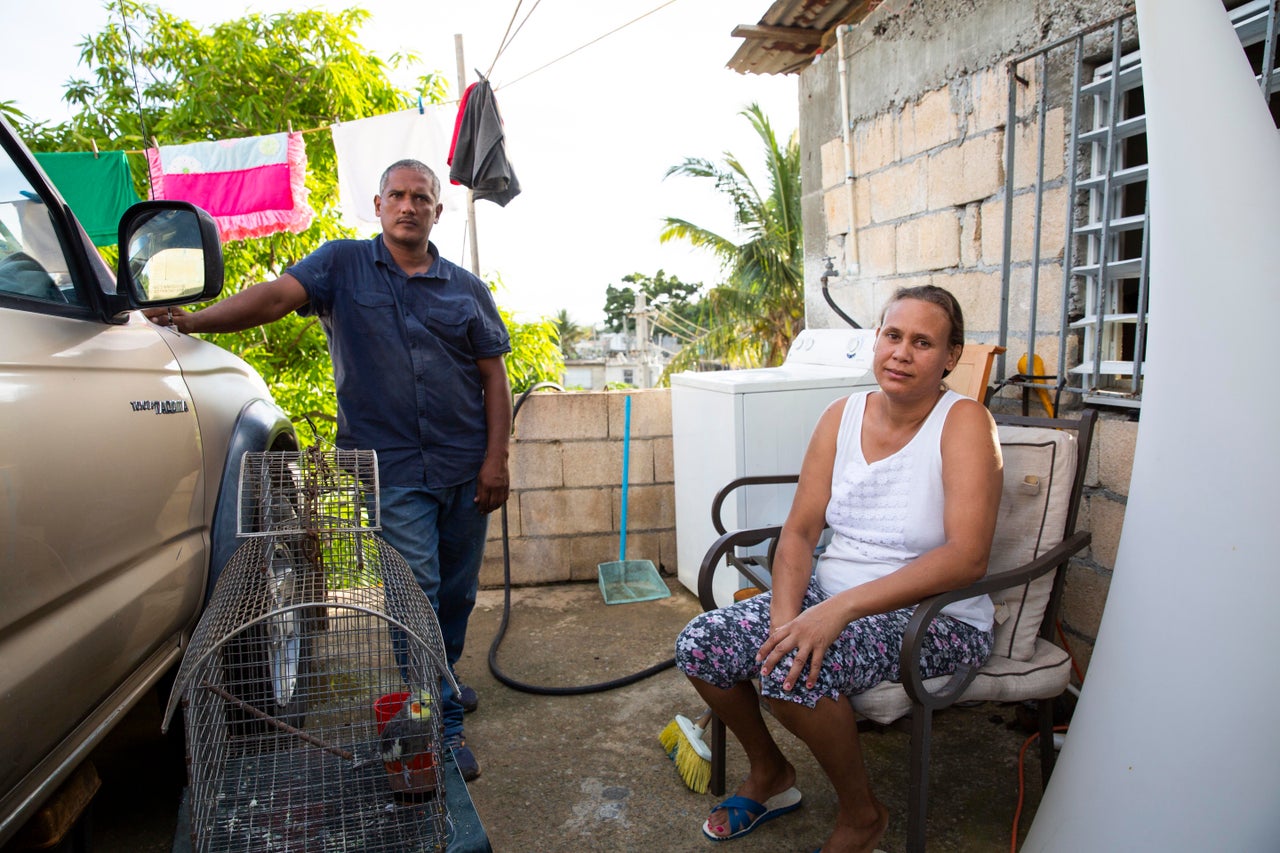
590	136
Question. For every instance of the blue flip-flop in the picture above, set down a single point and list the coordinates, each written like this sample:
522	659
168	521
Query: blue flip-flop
741	809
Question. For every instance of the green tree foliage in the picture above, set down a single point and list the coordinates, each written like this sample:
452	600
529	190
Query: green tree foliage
570	333
750	319
535	348
254	75
666	295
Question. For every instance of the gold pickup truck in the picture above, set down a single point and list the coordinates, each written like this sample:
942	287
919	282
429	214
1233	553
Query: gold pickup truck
120	448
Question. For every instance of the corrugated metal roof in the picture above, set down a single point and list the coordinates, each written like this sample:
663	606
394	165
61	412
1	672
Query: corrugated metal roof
792	32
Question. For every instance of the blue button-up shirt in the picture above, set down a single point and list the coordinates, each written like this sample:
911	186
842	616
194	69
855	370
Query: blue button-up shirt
404	352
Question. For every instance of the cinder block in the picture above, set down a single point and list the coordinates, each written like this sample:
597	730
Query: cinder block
1106	521
1027	144
664	469
593	463
862	202
978	292
1053	223
588	552
992	213
650	412
927	123
1084	597
898	191
1053	212
971	236
832	153
929	242
565	511
989	91
1028	88
835	206
641	545
970	171
513	519
536	464
1048	299
877	250
1116	442
569	416
540	560
649	507
641	466
874	143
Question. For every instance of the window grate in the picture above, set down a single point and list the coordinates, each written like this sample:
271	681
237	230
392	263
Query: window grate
1103	322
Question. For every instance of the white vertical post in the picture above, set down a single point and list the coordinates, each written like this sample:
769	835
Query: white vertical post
1174	744
471	196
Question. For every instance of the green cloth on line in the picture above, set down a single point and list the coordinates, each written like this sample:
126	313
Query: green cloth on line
98	187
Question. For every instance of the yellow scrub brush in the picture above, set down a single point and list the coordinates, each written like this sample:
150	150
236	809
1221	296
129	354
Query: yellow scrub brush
682	739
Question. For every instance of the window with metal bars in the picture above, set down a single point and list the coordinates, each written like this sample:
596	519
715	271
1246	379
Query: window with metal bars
1104	319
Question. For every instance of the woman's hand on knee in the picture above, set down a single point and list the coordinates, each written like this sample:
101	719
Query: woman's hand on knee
809	635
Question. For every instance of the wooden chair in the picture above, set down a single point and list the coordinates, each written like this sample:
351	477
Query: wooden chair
1044	469
972	374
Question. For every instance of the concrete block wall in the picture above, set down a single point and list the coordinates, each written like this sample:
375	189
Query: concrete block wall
929	126
564	516
928	204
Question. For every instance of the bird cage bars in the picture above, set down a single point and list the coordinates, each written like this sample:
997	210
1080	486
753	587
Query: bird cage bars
311	683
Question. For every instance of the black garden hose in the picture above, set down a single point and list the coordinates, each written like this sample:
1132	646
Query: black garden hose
538	689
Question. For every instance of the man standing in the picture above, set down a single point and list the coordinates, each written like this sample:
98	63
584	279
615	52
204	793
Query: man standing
417	346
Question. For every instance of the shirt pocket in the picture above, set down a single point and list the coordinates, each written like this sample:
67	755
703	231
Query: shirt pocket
375	312
450	322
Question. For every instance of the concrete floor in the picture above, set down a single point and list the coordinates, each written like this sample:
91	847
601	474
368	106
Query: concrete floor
586	772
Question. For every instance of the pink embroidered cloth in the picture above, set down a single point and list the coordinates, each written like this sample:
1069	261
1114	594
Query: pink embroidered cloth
252	186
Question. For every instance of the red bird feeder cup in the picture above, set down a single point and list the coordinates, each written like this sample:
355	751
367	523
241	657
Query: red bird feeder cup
413	777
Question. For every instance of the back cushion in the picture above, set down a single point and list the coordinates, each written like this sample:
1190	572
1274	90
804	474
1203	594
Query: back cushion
1039	464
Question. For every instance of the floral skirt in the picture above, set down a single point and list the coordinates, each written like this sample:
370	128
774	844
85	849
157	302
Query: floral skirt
719	647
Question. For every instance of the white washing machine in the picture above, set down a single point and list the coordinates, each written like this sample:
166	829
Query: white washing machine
737	423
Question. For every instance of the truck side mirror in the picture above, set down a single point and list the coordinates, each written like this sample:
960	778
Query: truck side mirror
170	254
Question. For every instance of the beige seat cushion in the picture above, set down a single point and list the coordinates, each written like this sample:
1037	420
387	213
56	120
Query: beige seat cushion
1043	676
1039	464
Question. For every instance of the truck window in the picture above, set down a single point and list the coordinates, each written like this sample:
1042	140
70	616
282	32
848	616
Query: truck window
32	263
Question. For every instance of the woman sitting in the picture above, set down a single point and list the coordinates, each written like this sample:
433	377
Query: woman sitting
908	477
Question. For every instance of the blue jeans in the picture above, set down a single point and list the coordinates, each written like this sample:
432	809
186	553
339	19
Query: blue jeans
441	535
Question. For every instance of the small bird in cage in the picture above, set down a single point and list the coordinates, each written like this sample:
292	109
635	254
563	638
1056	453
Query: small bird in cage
406	746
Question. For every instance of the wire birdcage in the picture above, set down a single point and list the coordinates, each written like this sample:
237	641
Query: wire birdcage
311	683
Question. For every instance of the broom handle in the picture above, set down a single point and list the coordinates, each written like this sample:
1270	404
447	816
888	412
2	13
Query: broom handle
626	466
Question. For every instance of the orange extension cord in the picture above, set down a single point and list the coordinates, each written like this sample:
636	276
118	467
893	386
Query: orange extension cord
1022	753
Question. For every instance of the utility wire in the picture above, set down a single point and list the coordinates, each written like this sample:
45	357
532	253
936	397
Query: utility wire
588	44
508	37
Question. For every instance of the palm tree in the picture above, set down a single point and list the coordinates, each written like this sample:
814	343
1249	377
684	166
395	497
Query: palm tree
754	315
570	333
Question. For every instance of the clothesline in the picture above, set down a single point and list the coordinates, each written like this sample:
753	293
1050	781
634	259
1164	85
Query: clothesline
289	129
256	185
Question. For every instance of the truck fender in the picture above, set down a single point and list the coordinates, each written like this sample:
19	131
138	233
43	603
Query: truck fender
261	425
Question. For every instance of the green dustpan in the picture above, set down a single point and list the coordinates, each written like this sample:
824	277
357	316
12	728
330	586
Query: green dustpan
624	581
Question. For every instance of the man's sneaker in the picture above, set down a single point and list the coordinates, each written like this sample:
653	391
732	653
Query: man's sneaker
468	766
467	698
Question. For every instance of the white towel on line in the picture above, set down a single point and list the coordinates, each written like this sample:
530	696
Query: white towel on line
366	147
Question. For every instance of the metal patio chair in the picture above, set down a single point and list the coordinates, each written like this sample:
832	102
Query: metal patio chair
1045	461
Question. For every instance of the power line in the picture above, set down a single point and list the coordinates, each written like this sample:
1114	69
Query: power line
588	44
508	37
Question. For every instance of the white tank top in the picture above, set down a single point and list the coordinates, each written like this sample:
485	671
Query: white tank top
887	513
